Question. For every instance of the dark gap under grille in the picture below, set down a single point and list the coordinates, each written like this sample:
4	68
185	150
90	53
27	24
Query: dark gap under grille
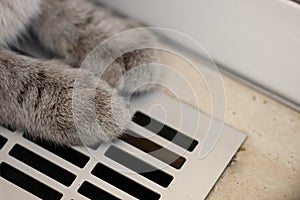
28	183
123	183
153	149
43	165
3	140
92	192
165	131
95	146
144	169
69	154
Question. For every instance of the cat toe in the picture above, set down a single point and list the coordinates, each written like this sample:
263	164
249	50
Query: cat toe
139	80
103	120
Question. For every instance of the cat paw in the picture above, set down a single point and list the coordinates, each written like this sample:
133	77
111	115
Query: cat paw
77	109
135	71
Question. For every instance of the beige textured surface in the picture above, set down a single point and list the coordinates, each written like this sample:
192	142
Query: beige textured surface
268	164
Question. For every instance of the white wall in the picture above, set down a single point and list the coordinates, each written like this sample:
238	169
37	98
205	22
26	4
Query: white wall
259	39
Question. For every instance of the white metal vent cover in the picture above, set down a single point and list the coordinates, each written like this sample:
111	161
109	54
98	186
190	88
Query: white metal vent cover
154	166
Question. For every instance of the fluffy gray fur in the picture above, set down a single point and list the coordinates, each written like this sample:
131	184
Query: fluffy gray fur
36	96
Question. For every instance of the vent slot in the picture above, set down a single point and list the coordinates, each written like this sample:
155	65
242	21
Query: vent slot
92	192
144	169
165	131
43	165
3	140
123	183
28	183
154	149
71	155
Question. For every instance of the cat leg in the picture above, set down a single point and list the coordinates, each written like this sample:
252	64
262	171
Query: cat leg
41	99
72	28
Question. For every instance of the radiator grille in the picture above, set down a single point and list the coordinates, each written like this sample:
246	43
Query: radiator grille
153	160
